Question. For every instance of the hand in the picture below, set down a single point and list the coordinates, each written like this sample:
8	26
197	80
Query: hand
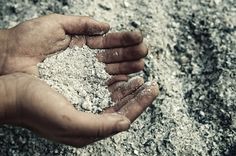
36	106
32	41
33	104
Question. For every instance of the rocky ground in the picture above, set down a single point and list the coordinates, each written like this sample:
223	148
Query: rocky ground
192	56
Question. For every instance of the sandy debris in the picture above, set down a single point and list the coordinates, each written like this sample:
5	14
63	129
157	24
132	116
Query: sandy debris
192	56
77	74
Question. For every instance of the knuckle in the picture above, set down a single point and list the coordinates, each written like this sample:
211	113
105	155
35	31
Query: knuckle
109	56
122	54
138	81
119	68
98	132
125	38
86	27
140	64
100	129
137	65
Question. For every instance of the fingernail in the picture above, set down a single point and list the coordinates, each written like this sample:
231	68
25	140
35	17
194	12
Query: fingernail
123	125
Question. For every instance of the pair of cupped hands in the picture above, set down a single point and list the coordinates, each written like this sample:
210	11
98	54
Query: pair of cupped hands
29	102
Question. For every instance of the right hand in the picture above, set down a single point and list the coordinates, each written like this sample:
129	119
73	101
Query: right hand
31	103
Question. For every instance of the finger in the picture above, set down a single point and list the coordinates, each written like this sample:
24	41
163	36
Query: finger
117	78
115	40
80	142
125	67
123	54
122	89
76	141
144	98
96	126
123	102
78	25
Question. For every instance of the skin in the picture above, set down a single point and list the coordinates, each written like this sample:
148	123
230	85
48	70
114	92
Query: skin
28	102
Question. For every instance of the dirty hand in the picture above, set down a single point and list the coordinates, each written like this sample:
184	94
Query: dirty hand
31	103
32	41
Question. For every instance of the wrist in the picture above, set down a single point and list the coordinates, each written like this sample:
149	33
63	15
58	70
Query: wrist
4	37
7	98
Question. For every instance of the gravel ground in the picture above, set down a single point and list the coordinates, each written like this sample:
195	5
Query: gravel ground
192	55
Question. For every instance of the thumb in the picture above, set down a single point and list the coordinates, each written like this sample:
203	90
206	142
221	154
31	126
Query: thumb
81	25
99	126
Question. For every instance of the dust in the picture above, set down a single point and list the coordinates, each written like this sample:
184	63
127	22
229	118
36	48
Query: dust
77	74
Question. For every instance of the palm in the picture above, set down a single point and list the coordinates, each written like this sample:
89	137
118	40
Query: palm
63	122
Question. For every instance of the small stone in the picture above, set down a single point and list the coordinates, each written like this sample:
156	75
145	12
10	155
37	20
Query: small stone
126	4
217	2
56	151
184	60
135	24
202	113
234	122
107	6
136	152
86	105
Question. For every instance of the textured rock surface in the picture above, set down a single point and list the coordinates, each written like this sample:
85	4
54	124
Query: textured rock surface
192	55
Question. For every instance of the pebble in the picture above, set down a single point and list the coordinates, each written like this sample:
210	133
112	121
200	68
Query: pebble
107	6
202	113
86	105
135	24
234	122
126	4
217	2
136	152
184	59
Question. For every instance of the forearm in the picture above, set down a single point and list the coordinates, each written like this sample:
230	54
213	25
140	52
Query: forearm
3	47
